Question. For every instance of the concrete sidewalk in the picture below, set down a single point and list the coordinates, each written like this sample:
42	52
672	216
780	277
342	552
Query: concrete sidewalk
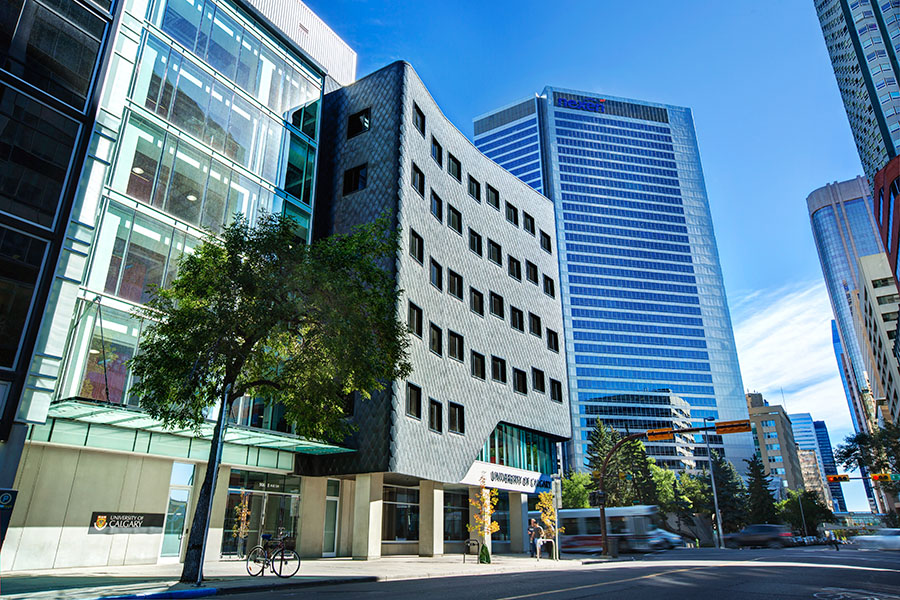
231	576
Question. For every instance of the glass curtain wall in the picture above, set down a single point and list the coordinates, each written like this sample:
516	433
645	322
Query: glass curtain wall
515	447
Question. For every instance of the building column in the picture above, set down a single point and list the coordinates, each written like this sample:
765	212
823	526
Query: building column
518	522
367	508
431	518
217	514
312	516
476	533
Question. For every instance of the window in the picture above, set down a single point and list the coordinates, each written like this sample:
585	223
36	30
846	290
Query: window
455	284
355	179
436	340
514	267
495	252
520	381
414	320
437	152
476	301
537	380
454	167
556	390
456	418
879	283
455	346
516	319
512	214
418	119
416	246
474	189
437	275
418	180
545	243
493	197
400	514
437	207
528	222
534	324
435	415
413	401
477	361
358	123
498	369
549	287
474	241
496	305
454	219
552	340
531	272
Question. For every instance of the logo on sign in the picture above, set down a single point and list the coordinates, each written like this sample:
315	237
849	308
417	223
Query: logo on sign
588	104
100	523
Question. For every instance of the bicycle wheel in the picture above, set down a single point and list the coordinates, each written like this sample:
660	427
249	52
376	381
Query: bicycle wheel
256	561
286	563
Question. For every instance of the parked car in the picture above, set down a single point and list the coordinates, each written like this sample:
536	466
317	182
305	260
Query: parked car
883	539
671	540
770	536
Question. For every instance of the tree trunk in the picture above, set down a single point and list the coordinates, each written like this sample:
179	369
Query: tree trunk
193	557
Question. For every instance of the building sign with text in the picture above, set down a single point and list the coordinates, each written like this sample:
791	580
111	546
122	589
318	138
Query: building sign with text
507	478
115	522
588	104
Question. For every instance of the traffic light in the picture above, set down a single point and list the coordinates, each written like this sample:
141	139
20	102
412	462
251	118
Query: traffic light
837	478
741	426
660	435
881	476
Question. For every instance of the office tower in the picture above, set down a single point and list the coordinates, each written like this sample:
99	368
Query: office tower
813	480
886	193
825	450
861	40
208	110
644	307
775	443
807	439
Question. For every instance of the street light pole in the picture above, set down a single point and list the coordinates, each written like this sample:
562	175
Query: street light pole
712	478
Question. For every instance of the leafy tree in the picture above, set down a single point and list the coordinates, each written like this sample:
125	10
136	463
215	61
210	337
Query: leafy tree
628	477
260	313
670	495
638	465
878	451
732	494
697	492
575	490
760	501
548	517
814	511
485	504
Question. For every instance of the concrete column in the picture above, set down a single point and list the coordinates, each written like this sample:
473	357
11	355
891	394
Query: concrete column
431	518
476	533
217	516
518	522
367	508
312	516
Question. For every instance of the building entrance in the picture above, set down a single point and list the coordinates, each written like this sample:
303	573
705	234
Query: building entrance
259	503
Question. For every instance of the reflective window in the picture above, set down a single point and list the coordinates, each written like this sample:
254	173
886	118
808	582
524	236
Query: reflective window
105	344
400	518
21	258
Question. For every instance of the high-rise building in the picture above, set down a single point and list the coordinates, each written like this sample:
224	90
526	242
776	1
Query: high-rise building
643	300
775	443
860	37
829	464
811	468
807	438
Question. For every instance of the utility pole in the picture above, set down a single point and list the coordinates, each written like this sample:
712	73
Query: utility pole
712	478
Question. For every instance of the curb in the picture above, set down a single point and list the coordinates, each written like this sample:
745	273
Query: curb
193	593
241	589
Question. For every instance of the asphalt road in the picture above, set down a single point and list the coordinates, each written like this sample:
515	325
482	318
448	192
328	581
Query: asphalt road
809	573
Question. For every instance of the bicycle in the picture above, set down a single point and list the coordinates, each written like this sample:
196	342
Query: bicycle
273	554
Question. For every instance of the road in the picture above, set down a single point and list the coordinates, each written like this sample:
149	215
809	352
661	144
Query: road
809	573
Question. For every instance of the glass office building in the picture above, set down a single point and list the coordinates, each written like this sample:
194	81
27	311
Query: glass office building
647	326
828	463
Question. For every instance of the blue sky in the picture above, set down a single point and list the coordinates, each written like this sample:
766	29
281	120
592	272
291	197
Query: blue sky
769	119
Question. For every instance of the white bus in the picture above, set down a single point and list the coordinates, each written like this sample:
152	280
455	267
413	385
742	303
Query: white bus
635	528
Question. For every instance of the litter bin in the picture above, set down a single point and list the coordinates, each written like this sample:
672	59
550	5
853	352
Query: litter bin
613	547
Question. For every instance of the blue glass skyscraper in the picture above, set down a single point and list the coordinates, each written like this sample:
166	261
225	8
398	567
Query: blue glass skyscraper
829	464
647	328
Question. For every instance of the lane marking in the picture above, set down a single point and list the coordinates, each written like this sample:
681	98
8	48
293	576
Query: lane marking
601	584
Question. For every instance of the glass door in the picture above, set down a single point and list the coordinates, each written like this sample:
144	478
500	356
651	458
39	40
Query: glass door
332	510
180	484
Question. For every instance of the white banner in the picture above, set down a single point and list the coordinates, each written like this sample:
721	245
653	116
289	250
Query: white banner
507	478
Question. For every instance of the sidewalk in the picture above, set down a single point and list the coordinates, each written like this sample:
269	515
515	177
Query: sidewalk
230	577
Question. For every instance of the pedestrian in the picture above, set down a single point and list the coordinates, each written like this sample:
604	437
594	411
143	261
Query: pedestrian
833	539
532	540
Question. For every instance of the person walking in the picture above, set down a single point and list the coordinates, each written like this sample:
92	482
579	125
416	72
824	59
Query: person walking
535	533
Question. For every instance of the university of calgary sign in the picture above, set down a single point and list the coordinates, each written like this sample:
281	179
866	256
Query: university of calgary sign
588	104
111	523
507	478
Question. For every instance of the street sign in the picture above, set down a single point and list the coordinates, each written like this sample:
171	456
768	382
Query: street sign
741	426
7	502
895	476
837	478
659	435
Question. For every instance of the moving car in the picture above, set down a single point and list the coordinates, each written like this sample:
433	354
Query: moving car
770	536
884	539
671	540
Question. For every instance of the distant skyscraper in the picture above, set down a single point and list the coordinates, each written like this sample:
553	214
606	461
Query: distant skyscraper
827	454
807	439
858	36
646	320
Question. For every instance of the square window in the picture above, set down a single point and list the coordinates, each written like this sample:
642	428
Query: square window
455	346
493	197
456	418
534	324
528	222
545	243
454	167
474	241
498	369
552	341
435	415
418	119
496	305
495	252
437	207
531	272
516	319
477	361
512	214
454	284
454	219
476	301
474	189
537	381
418	180
416	246
437	275
520	381
436	340
514	267
414	320
413	401
355	179
549	287
358	123
556	390
437	152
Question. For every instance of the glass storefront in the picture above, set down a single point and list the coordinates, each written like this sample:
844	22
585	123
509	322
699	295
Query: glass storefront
400	514
259	503
516	447
456	516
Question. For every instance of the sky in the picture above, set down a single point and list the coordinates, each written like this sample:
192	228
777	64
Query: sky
770	125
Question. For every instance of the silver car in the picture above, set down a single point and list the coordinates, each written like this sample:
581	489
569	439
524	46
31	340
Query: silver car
883	539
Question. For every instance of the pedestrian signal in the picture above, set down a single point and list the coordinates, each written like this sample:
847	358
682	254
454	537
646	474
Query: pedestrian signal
837	478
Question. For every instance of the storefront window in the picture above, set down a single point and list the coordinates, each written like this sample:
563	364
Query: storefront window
112	343
400	518
515	447
260	503
456	516
501	516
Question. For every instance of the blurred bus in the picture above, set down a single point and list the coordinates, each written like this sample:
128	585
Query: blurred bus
635	528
